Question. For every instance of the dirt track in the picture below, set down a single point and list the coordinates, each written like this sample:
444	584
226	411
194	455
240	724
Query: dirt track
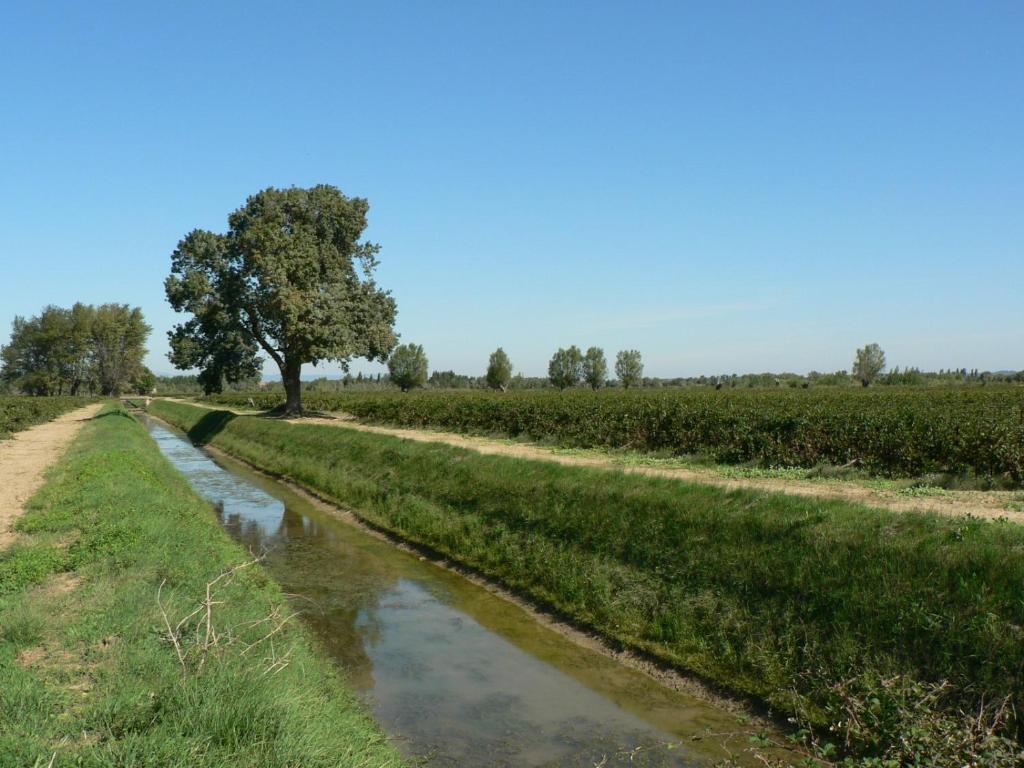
988	504
25	458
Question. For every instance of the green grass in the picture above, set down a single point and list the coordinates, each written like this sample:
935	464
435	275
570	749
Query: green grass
87	670
818	608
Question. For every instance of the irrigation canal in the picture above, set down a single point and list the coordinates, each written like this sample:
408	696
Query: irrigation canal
455	674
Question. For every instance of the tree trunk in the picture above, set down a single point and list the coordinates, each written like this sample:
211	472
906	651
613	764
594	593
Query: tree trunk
292	389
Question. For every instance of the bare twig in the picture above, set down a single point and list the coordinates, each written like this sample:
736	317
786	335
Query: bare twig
170	632
281	624
206	636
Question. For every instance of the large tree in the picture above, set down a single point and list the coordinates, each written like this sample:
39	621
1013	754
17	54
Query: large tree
290	278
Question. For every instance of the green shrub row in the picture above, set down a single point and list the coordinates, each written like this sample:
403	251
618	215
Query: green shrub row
820	608
894	431
19	412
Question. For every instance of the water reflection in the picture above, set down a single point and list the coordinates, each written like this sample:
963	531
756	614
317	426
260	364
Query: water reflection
459	676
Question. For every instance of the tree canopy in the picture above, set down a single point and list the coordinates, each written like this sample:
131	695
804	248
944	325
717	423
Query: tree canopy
118	343
67	351
629	368
868	363
291	279
595	368
407	366
566	367
499	370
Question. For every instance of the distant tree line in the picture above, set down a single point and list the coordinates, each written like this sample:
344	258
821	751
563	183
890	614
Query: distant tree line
570	367
190	384
84	349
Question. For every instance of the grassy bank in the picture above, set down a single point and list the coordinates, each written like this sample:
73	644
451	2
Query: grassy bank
89	674
900	633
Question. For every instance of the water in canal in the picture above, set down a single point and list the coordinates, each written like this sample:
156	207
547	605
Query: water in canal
457	675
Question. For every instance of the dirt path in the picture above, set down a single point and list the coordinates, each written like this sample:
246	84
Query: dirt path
25	458
986	504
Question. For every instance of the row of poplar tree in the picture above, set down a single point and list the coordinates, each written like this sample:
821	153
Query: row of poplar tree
408	366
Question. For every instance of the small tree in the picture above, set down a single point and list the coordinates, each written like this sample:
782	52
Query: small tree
499	370
629	368
868	364
566	367
144	381
408	366
595	368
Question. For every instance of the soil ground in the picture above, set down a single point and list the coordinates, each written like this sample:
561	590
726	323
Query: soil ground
25	458
987	504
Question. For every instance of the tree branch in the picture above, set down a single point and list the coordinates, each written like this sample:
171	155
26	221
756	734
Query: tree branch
257	334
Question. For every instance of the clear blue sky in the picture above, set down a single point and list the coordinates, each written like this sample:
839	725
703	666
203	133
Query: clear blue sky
724	186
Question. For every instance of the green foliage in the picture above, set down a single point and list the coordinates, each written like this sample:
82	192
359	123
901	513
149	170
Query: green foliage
18	413
119	336
101	684
408	366
891	430
933	731
817	607
66	351
868	364
629	368
566	367
290	278
24	565
595	368
144	381
439	379
194	385
908	377
499	370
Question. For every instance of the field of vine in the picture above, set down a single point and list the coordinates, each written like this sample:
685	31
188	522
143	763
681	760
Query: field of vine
18	413
889	431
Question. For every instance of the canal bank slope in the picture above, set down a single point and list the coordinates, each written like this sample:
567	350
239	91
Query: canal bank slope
134	631
896	636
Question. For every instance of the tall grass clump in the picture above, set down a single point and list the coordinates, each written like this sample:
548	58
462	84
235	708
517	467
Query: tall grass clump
134	632
886	635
